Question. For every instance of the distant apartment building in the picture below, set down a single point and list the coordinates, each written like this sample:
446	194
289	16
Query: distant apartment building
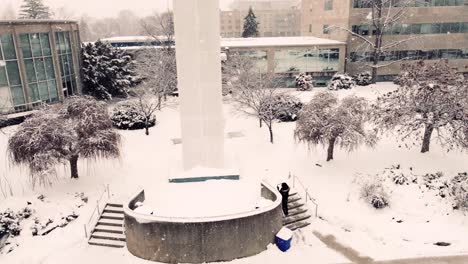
277	18
441	28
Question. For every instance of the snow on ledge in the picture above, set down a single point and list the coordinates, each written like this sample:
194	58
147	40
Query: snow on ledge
277	42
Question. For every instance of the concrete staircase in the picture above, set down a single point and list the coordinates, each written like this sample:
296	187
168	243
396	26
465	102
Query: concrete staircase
298	216
109	230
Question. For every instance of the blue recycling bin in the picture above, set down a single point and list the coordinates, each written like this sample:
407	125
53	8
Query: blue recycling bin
283	239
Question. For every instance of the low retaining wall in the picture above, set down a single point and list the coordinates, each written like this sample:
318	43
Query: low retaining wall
198	240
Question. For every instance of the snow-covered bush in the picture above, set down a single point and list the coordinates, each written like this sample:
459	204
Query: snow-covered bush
127	116
286	107
341	81
304	82
10	223
459	191
400	179
363	79
374	193
107	71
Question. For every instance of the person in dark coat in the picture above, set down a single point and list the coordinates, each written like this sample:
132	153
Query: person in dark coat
284	191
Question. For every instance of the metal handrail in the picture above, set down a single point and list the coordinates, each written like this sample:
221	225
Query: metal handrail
307	194
96	209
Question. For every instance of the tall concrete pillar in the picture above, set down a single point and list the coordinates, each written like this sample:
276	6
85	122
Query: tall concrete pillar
197	39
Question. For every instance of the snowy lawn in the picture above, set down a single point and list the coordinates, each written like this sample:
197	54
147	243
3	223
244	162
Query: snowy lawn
415	219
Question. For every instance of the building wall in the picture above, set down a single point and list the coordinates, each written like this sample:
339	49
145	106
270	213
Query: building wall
47	56
447	45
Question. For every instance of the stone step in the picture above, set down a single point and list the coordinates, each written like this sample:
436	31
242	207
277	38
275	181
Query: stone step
114	210
294	205
110	222
293	199
109	229
293	219
108	236
297	211
297	225
114	216
115	205
106	243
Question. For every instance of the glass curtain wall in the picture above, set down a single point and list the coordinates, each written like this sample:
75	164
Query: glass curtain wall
10	81
39	65
64	50
306	60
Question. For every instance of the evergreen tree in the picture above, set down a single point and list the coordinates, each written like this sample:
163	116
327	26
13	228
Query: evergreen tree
34	9
107	71
250	25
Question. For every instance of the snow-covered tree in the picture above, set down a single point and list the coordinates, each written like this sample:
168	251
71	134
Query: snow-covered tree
431	97
147	106
80	128
85	32
341	81
251	90
107	71
383	15
304	82
34	9
250	25
158	71
327	121
133	115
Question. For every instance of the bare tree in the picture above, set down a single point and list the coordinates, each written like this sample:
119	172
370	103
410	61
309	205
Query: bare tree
160	27
158	70
147	107
63	13
431	97
252	90
327	121
383	16
79	128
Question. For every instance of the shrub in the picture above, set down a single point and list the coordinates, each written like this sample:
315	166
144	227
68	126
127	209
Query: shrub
286	108
127	116
363	79
374	193
459	191
9	223
304	82
341	81
400	179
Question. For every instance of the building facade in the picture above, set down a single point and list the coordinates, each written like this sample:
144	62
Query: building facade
289	56
276	19
39	63
438	30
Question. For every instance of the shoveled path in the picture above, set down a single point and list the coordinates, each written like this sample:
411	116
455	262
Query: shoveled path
355	257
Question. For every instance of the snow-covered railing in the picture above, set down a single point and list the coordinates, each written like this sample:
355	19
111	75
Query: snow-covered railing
96	211
308	197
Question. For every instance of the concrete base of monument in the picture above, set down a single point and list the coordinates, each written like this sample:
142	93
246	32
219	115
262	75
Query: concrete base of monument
186	232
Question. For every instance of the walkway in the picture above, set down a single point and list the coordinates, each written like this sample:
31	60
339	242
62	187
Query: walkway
355	257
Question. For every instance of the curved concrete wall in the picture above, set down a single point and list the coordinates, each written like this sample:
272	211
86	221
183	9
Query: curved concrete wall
197	240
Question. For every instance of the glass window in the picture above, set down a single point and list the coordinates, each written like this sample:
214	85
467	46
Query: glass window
326	29
328	5
435	28
25	45
34	92
40	69
43	91
8	47
52	89
13	73
18	96
463	30
49	68
35	45
3	77
45	44
426	28
30	71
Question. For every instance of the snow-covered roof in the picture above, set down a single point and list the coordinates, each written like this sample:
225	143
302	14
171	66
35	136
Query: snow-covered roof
124	39
36	21
277	42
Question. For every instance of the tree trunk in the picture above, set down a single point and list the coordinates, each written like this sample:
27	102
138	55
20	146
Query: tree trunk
427	138
270	128
146	130
377	12
260	120
331	147
74	166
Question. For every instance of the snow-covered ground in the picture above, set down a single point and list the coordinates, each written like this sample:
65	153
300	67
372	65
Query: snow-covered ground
425	217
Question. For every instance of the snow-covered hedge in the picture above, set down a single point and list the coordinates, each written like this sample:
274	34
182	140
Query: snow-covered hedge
10	221
341	81
373	192
127	116
363	79
304	82
459	191
286	107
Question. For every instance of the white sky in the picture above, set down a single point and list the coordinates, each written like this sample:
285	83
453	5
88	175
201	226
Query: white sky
107	8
